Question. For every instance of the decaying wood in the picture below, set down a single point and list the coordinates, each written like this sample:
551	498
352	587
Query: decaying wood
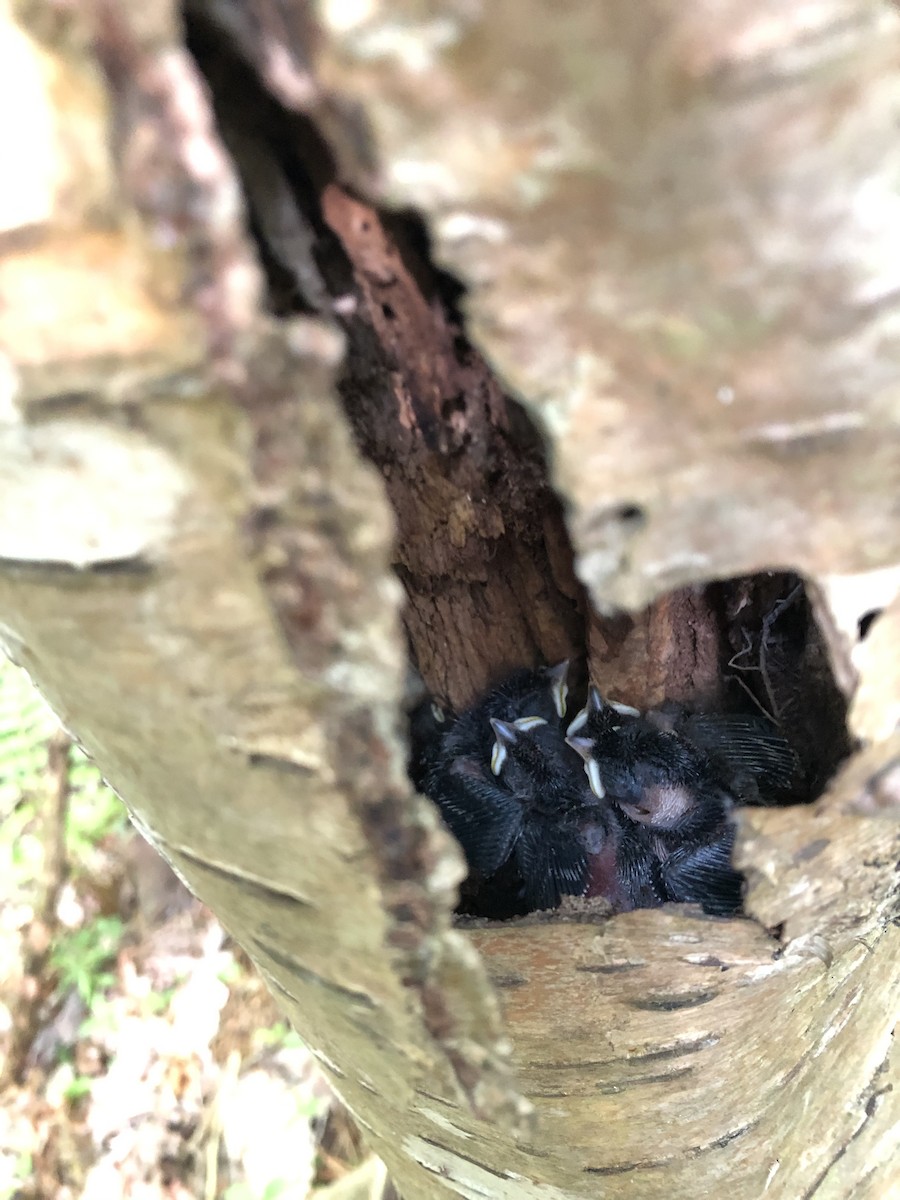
676	229
481	546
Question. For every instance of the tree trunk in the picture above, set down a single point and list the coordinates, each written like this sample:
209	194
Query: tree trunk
246	393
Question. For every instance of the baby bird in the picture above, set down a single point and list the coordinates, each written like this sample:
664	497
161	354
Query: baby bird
675	801
756	762
429	722
509	788
621	864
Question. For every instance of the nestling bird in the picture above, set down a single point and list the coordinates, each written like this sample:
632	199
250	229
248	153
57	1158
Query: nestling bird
510	789
621	864
428	724
755	762
676	798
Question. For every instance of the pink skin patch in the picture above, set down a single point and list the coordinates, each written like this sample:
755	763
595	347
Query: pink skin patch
662	805
603	878
467	767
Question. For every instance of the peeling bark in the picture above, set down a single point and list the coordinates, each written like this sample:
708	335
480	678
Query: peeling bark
659	217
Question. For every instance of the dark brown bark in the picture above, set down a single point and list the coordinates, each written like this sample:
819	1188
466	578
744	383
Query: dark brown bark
481	547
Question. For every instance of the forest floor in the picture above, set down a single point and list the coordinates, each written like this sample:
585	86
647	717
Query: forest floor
142	1056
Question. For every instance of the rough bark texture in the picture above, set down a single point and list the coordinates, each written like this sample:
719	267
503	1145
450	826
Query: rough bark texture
659	208
677	226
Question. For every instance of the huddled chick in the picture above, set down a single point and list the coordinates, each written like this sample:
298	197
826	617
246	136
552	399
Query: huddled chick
508	788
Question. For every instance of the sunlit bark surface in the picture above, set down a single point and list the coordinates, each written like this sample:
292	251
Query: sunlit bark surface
258	448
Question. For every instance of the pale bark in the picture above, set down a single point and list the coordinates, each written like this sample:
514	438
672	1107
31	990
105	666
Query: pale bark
678	222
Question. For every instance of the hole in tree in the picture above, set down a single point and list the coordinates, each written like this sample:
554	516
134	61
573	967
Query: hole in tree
482	549
631	514
867	621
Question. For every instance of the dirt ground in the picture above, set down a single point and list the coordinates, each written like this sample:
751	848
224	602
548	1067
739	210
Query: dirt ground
141	1055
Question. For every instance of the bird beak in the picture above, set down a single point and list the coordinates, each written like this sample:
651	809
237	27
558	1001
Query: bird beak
594	705
584	746
578	724
593	773
506	734
526	723
559	686
581	745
